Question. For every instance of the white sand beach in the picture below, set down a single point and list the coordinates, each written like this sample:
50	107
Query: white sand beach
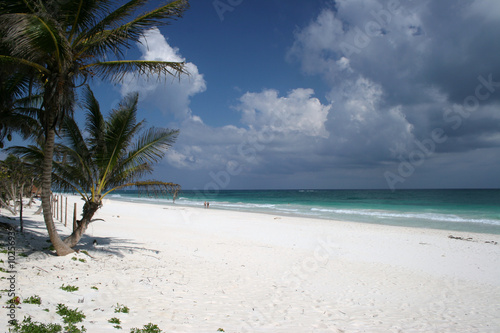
205	270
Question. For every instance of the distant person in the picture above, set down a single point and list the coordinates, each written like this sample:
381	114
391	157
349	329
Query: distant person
208	204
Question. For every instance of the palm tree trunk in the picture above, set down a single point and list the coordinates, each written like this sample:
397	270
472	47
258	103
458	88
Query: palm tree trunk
89	210
21	209
61	248
7	206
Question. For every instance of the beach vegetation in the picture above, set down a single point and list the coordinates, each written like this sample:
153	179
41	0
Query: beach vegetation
72	328
121	309
28	326
35	299
71	317
116	321
17	178
69	288
148	328
14	300
78	259
56	46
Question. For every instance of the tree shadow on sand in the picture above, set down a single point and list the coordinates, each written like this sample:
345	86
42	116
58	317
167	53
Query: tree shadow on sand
35	239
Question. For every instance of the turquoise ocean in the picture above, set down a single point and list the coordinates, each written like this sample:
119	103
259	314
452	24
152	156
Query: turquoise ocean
462	210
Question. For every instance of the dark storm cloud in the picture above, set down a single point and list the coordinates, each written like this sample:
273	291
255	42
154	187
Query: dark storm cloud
435	61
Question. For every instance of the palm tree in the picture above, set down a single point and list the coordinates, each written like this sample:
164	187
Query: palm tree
113	154
17	111
66	42
15	176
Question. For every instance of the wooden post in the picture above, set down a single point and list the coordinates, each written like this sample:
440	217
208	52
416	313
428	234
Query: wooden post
21	210
57	207
74	218
61	208
66	213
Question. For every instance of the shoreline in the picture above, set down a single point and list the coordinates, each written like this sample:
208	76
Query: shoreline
465	227
196	270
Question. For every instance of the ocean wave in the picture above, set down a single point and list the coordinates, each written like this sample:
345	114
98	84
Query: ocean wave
421	216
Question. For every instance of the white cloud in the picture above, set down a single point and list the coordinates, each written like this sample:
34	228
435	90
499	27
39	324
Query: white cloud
362	128
280	126
488	9
170	95
296	112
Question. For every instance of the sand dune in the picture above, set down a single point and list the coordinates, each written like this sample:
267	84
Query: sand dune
197	270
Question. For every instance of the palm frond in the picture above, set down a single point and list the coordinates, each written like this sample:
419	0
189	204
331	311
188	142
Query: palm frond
95	122
30	153
111	20
6	60
110	35
151	146
123	175
116	70
82	15
151	187
120	130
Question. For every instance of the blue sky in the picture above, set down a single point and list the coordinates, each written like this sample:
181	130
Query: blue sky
388	94
327	94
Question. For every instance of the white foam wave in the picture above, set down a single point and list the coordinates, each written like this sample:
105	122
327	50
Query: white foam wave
420	216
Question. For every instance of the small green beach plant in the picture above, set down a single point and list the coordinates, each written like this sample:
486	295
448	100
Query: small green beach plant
69	316
35	299
121	309
149	328
69	288
27	326
116	321
15	300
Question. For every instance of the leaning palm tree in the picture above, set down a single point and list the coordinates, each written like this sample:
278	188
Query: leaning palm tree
66	42
111	154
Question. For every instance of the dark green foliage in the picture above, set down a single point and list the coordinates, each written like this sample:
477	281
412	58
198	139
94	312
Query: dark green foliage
69	316
27	326
149	328
69	288
116	321
33	300
121	308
